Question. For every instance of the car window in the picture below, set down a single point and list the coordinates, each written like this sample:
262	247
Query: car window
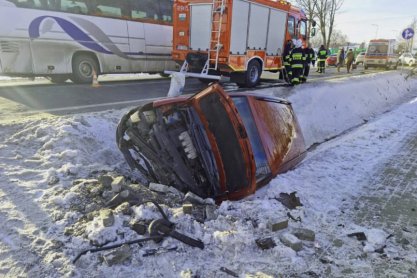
274	121
262	167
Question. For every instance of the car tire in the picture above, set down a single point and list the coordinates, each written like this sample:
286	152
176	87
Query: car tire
253	74
365	66
83	67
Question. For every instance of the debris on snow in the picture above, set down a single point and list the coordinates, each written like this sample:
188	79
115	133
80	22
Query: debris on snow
289	200
291	241
304	234
265	243
278	224
118	255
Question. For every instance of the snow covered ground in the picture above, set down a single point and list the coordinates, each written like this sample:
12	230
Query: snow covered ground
49	191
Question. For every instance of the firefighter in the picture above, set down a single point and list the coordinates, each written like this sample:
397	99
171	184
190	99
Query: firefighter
321	59
286	72
310	57
297	60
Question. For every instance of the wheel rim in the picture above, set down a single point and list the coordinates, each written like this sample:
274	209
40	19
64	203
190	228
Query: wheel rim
253	74
86	69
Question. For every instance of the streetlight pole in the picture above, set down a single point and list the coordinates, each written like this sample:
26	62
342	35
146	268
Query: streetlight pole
376	32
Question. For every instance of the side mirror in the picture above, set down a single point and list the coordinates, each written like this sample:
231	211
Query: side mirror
313	23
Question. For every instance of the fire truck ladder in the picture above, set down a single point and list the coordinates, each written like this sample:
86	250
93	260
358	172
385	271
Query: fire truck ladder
215	45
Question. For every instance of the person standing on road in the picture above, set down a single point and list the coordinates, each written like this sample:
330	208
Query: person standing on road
340	58
297	60
310	57
321	59
286	73
349	60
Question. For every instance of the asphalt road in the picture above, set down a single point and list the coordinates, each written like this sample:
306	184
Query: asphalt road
41	95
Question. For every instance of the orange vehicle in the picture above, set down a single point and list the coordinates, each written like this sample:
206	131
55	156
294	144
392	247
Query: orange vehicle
217	145
234	38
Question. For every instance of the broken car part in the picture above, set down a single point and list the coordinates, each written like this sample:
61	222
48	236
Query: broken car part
215	145
166	228
161	228
136	241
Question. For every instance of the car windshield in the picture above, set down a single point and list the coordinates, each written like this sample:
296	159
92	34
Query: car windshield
262	168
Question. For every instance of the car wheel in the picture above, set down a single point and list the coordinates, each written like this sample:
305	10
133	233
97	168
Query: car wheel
253	74
410	64
365	66
58	79
83	67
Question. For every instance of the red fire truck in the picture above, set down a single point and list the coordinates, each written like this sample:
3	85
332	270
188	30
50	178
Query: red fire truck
234	38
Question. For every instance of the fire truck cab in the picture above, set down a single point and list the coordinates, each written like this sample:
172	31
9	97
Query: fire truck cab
237	39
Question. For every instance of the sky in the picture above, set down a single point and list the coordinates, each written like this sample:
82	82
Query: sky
49	167
362	20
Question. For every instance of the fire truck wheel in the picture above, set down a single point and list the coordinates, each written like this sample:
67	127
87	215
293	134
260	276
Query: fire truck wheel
83	67
253	74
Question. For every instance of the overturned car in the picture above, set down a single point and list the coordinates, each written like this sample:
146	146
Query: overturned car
216	145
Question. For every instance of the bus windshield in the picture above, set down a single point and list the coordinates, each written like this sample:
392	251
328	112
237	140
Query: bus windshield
380	48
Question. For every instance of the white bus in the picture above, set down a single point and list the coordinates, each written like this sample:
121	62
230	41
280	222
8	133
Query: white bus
63	39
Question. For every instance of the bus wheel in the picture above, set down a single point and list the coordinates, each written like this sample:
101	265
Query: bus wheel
253	74
58	79
83	67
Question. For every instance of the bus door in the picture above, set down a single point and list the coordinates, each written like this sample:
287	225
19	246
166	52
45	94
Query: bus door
156	16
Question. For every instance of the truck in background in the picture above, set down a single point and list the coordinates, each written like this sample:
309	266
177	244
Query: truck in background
381	53
234	38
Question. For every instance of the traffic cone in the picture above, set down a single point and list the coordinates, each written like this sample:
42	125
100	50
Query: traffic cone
95	80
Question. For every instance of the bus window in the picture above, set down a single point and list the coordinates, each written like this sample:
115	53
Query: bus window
25	3
291	25
145	9
108	9
165	8
76	7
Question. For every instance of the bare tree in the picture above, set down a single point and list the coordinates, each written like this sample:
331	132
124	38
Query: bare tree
337	39
325	13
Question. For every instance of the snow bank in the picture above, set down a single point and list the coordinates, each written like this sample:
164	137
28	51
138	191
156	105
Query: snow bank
326	110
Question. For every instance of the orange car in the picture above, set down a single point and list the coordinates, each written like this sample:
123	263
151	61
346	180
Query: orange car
217	145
